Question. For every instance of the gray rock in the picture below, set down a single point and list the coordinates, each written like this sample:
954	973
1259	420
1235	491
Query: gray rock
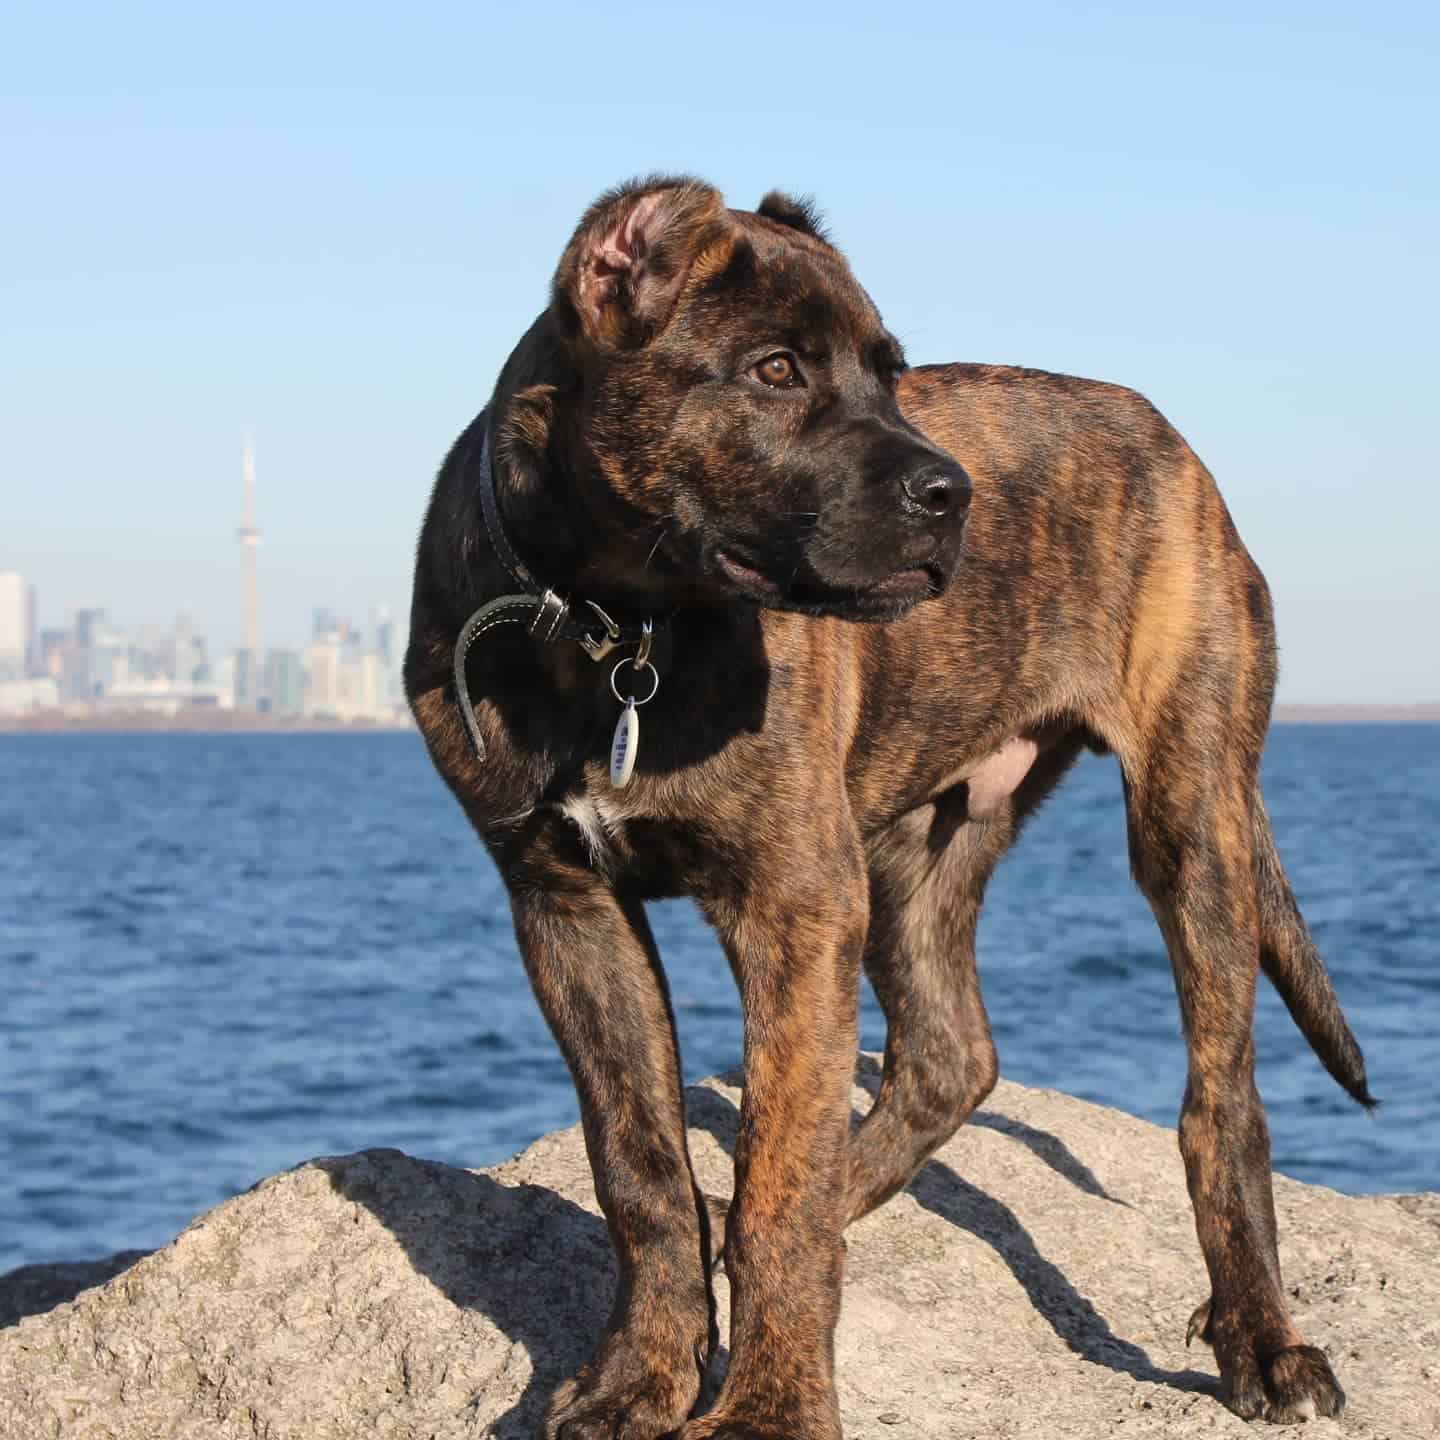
36	1289
1034	1280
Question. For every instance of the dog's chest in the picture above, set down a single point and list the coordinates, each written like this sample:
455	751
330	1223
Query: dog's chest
645	836
601	824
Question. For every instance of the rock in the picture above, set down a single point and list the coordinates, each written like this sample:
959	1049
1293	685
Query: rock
1034	1280
36	1289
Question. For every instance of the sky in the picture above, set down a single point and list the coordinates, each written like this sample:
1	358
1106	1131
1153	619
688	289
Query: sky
327	225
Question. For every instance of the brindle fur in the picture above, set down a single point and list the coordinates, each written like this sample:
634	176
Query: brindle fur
804	777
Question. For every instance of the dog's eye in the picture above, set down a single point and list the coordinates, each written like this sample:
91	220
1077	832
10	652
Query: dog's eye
777	371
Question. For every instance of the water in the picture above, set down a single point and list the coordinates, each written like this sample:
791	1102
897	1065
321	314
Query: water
221	955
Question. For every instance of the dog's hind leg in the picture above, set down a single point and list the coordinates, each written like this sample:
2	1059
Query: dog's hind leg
927	878
928	875
1190	795
595	971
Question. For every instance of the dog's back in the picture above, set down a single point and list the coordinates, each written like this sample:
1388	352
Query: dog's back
1105	586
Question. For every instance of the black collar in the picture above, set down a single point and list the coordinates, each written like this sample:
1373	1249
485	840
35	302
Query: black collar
544	613
551	619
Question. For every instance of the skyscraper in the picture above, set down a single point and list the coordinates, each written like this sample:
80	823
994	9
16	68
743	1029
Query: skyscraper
285	682
32	632
88	624
385	636
247	658
15	625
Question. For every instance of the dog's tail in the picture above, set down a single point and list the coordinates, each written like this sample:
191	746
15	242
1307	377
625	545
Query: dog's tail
1289	957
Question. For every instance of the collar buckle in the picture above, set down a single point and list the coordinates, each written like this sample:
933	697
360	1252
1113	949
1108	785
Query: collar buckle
598	645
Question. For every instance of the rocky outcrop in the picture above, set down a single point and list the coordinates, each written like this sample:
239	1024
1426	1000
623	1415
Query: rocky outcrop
1035	1280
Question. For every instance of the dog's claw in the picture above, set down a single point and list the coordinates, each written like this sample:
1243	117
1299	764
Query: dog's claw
719	1213
1199	1325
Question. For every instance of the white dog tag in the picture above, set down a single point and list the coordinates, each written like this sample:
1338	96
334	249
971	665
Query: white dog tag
625	745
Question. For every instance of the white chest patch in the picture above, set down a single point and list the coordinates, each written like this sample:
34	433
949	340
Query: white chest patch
599	825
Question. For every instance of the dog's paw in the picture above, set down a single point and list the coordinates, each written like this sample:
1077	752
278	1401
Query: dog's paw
713	1427
731	1423
729	1431
1285	1386
629	1394
1300	1385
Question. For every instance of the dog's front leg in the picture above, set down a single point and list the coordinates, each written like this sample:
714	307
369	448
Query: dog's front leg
594	968
796	943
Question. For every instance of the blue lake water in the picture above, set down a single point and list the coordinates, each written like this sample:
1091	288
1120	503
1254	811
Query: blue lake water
221	955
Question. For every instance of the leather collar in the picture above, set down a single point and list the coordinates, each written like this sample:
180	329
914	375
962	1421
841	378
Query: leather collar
551	619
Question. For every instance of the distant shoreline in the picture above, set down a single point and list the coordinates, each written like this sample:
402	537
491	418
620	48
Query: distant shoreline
1357	714
193	722
228	722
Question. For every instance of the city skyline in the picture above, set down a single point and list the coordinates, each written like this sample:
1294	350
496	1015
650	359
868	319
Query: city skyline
93	666
249	575
228	630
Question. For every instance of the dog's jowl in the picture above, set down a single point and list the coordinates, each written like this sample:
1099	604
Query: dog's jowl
701	469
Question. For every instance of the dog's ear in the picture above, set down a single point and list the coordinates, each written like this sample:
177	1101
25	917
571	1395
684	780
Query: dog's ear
619	277
796	211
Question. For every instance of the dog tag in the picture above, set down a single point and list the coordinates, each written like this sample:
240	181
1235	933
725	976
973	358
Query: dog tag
625	745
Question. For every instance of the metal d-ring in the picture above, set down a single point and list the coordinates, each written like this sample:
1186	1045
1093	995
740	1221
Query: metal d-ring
597	647
638	665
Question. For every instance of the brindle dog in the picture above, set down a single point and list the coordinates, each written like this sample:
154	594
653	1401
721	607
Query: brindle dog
709	425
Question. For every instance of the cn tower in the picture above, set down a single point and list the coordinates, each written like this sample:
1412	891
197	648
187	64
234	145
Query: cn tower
249	537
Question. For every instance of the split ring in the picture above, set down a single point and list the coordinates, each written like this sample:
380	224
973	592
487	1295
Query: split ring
630	699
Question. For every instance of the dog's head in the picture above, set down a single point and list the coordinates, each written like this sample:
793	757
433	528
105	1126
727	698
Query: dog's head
735	409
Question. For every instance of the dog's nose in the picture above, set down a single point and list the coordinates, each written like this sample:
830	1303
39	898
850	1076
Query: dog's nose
938	490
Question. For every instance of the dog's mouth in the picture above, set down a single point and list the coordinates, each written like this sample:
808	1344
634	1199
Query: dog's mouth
882	599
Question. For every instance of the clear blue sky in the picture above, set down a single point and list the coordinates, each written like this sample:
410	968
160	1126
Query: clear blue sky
330	222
